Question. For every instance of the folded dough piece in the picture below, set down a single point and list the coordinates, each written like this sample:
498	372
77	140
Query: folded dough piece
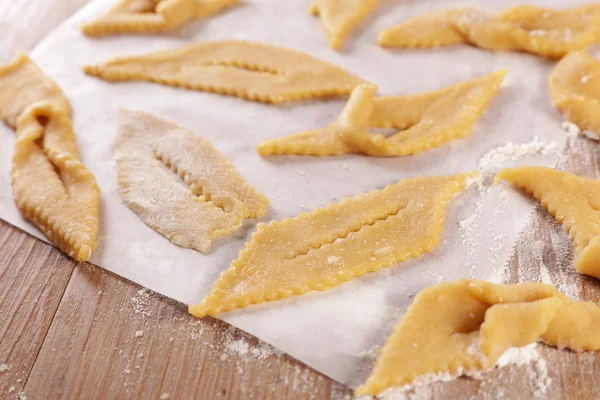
51	187
465	326
179	184
340	17
575	91
322	249
250	70
573	200
540	31
428	120
152	16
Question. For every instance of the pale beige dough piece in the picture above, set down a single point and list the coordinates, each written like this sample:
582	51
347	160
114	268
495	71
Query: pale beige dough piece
427	120
250	70
465	326
340	17
51	187
536	30
179	184
152	16
322	249
573	200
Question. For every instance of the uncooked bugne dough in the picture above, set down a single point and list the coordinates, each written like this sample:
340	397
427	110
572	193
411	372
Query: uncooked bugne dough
340	17
541	31
575	90
427	120
179	184
322	249
573	200
51	187
250	70
465	326
152	16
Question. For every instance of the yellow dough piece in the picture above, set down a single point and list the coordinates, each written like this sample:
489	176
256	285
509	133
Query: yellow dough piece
250	70
429	120
322	249
540	31
340	17
467	325
51	187
152	16
573	200
575	90
179	184
22	83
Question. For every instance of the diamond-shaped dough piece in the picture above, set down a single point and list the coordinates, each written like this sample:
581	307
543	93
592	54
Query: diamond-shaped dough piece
573	200
465	326
250	70
540	31
179	184
428	120
152	16
322	249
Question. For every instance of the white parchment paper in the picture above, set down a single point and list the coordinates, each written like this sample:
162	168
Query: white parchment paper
327	331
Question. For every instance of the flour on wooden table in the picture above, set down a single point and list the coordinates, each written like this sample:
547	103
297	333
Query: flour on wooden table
3	367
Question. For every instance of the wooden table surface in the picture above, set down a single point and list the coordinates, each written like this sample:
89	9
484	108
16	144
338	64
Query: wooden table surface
72	330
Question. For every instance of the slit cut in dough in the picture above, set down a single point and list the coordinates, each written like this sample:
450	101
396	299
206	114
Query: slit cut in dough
340	17
179	184
152	16
573	200
428	120
575	91
250	70
322	249
465	326
51	187
540	31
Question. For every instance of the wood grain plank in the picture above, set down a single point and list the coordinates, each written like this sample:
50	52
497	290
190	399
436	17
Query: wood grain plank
92	350
33	277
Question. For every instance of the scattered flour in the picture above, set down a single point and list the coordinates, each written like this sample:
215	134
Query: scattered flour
139	334
499	157
536	368
239	347
141	303
165	396
3	367
370	354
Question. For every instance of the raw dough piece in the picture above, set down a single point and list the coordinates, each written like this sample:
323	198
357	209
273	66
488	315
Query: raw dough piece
340	17
545	32
51	187
179	184
152	16
467	325
22	83
573	200
429	119
331	245
250	70
575	90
